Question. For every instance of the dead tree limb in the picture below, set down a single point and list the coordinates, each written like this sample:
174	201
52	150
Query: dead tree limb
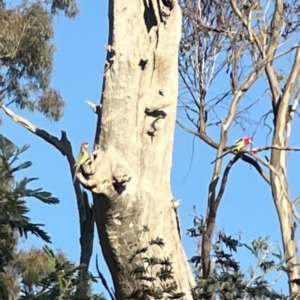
86	220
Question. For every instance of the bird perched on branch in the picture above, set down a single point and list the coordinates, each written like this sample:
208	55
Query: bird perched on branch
236	147
81	159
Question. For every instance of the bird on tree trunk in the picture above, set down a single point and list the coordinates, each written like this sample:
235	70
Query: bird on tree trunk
236	147
81	159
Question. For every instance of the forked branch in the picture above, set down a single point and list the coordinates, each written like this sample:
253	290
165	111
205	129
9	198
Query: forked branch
63	145
213	203
204	137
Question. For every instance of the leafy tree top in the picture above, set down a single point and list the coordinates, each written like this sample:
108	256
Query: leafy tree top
26	55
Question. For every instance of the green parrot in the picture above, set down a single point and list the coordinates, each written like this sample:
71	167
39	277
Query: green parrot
81	159
236	147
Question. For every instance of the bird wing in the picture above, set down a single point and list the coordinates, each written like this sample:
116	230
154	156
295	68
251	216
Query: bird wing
77	164
238	145
82	158
237	142
78	158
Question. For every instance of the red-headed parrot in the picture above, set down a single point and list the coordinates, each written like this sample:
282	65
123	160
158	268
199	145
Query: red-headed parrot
82	158
236	147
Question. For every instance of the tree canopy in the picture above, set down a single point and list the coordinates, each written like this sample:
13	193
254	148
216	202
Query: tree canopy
238	64
26	55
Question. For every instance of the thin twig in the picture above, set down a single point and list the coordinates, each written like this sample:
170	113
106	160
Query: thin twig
297	201
270	167
294	207
103	280
255	150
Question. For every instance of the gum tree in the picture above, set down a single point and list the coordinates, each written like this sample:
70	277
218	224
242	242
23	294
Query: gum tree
129	169
128	172
244	49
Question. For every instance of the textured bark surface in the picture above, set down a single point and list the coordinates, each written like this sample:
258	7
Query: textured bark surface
250	36
283	205
130	177
279	182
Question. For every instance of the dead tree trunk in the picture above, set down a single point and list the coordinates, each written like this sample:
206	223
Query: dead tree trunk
130	170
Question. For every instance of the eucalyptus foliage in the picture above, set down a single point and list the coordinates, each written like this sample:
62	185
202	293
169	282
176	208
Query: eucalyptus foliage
228	279
26	55
14	220
34	274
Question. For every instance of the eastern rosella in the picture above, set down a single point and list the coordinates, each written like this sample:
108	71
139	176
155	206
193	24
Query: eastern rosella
236	147
81	159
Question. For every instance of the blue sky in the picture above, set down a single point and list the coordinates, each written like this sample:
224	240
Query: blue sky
246	209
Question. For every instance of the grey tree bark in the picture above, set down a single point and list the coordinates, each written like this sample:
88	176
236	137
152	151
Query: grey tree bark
129	172
249	34
285	206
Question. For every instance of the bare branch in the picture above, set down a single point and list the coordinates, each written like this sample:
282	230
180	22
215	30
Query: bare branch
54	141
257	166
255	150
288	90
296	215
204	137
297	201
63	145
290	115
103	280
95	108
270	53
246	30
224	180
212	210
286	52
263	162
275	27
247	23
251	78
271	168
